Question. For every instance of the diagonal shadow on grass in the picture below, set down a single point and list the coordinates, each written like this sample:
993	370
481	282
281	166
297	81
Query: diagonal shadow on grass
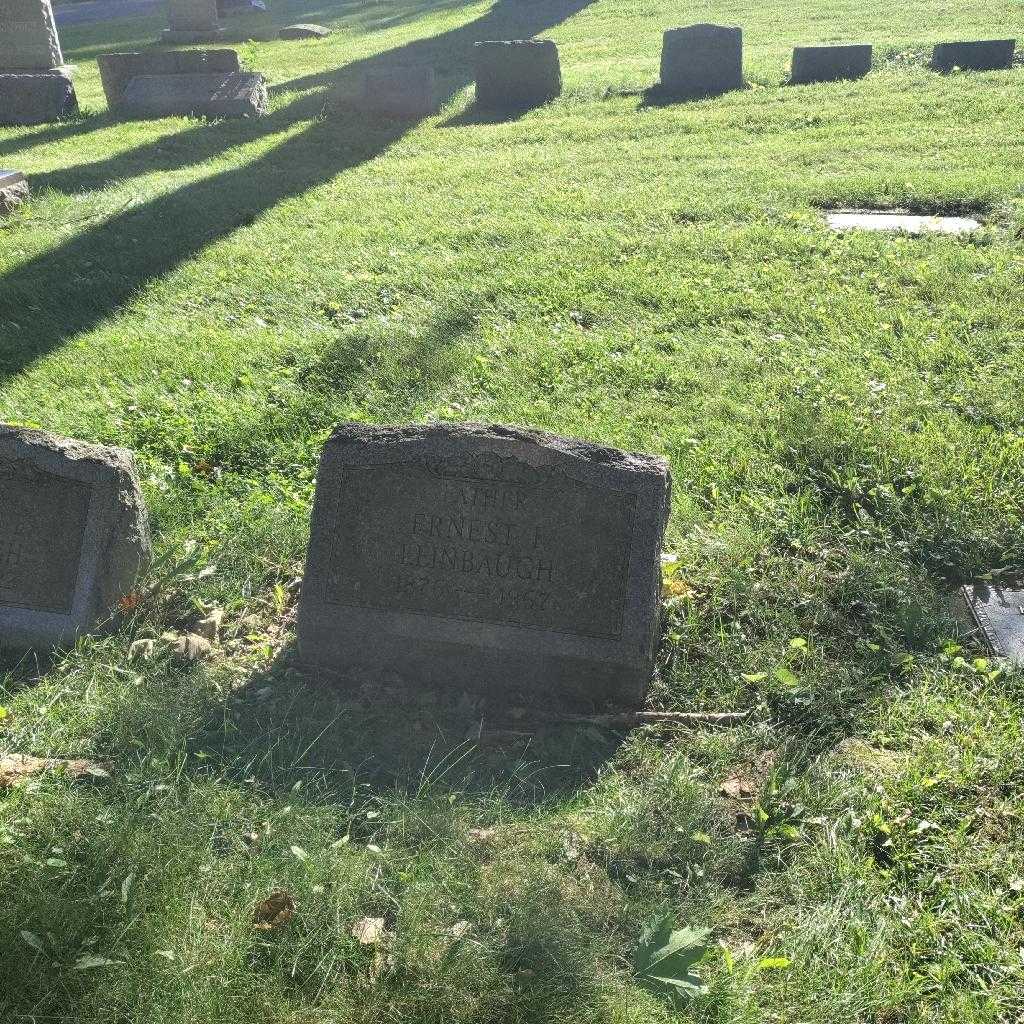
72	288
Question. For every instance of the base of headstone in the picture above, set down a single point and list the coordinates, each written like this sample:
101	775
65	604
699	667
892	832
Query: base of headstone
291	32
237	94
399	93
975	55
487	558
13	191
516	74
998	613
118	69
75	536
172	36
699	61
28	99
830	63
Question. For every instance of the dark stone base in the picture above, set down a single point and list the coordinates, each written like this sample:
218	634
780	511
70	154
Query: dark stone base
979	55
13	191
516	74
118	69
830	63
399	93
36	98
238	94
701	60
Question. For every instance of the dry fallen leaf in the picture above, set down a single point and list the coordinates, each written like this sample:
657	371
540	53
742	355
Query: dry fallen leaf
189	646
209	627
482	835
460	929
737	788
368	930
144	649
273	912
20	766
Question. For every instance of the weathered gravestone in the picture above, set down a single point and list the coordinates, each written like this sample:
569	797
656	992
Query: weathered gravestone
996	612
701	60
516	74
485	557
401	93
303	31
193	21
237	94
13	190
830	63
976	55
118	69
34	87
73	536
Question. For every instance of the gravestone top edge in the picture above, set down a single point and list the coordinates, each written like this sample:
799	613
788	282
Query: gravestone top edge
100	457
9	178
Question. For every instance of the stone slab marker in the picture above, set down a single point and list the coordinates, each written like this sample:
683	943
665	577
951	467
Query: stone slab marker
74	535
118	69
976	55
830	63
29	98
236	94
485	557
28	36
13	190
701	60
516	74
192	21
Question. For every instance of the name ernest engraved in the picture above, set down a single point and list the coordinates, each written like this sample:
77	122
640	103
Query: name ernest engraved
438	541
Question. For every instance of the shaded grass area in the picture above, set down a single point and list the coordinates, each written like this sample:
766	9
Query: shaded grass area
842	419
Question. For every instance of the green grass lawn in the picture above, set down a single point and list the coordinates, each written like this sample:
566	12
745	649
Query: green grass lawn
844	423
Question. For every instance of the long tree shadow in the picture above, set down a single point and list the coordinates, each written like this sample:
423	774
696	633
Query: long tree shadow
72	288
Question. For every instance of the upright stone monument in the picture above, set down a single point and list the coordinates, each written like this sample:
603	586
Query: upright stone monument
830	63
193	21
974	55
485	557
701	60
35	87
118	69
516	74
73	536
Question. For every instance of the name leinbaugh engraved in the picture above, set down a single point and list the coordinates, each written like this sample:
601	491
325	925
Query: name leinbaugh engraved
483	537
42	525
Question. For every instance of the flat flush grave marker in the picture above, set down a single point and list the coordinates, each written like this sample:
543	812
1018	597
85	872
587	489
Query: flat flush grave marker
485	557
896	222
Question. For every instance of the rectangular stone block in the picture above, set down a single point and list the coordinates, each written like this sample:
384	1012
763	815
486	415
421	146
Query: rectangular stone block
701	60
976	55
400	93
237	94
118	69
13	191
516	74
193	16
485	557
28	36
36	98
74	535
830	63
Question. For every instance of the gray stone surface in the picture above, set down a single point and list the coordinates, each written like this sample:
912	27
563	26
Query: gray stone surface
401	93
304	32
118	69
28	36
974	55
485	557
74	535
516	74
996	612
36	98
701	60
897	221
830	63
13	190
236	94
192	17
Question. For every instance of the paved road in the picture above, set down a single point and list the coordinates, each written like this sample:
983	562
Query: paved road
104	10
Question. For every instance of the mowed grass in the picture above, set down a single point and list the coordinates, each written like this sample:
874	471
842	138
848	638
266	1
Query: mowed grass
843	419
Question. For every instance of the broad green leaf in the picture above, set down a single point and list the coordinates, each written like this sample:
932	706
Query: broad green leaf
665	957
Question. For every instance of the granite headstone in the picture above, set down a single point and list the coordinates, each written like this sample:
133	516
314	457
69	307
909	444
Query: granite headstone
36	98
830	63
974	55
74	535
485	557
516	74
28	36
701	60
193	21
235	94
118	69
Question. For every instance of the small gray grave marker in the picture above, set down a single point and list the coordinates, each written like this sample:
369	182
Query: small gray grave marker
830	63
998	611
897	221
118	69
193	21
516	74
73	536
237	94
701	60
485	557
